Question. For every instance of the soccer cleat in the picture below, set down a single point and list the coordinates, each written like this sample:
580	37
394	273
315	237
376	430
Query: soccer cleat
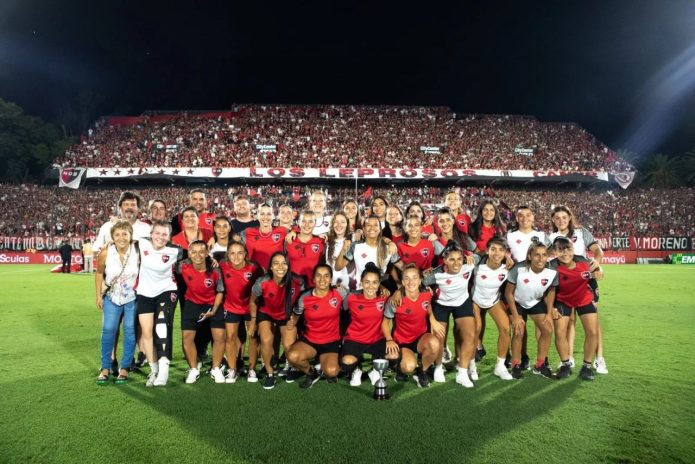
446	355
373	376
140	361
463	379
162	374
439	374
544	371
480	354
600	366
502	372
473	371
400	376
231	376
517	373
572	362
252	377
356	377
193	375
285	370
421	378
508	361
217	375
586	373
311	378
564	372
269	382
332	379
525	362
293	375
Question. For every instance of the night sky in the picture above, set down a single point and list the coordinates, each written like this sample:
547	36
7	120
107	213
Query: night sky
625	70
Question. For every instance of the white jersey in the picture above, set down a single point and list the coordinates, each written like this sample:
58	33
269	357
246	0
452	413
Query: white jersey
217	248
340	278
531	287
519	242
361	254
140	230
323	225
582	239
453	288
487	284
157	268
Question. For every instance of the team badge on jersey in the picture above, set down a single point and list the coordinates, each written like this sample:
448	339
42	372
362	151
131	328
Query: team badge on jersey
146	252
333	302
466	275
425	305
380	305
165	258
448	281
208	283
462	223
526	281
247	276
208	221
518	241
574	238
364	255
483	276
315	247
501	277
544	282
425	252
586	275
275	237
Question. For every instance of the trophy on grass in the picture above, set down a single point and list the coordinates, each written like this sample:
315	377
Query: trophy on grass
380	392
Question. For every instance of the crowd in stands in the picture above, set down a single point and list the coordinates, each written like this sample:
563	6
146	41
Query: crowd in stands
343	136
51	211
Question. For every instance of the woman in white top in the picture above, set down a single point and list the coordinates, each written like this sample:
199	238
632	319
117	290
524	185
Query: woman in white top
221	236
337	234
117	268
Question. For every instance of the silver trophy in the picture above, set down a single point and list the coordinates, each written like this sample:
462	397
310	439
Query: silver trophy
380	392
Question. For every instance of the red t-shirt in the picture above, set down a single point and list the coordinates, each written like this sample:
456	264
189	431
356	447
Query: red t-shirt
181	240
365	318
461	222
305	256
573	284
238	284
421	254
201	286
397	239
410	318
273	295
205	221
260	247
486	233
321	315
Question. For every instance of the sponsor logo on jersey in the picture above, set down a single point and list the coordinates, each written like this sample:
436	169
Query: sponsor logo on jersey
165	258
526	281
364	255
275	238
146	252
208	283
518	241
333	302
315	247
448	281
544	282
247	276
483	276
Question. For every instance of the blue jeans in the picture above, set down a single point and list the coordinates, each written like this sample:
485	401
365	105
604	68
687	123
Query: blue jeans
111	321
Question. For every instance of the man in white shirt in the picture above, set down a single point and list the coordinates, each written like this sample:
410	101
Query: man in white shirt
128	207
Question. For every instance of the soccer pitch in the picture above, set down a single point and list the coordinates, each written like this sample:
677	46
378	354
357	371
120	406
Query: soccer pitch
642	411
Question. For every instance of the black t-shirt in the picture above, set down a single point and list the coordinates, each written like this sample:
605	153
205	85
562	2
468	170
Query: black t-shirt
239	226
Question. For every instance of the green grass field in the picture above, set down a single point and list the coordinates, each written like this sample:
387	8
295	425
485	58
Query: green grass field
643	411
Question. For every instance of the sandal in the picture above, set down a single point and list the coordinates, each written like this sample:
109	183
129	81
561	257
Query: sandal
103	378
122	378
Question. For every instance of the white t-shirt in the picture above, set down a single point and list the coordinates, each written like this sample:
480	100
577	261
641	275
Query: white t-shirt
140	230
323	225
361	254
487	284
340	278
582	239
453	288
519	242
531	287
157	268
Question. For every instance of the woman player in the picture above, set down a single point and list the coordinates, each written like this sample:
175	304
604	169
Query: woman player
364	334
270	304
531	291
574	294
239	275
319	308
411	336
202	300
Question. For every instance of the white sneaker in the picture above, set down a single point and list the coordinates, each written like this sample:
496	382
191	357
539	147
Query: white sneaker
439	374
462	378
199	366
193	375
151	379
373	376
600	366
251	376
502	372
216	374
163	374
472	371
231	376
446	355
356	377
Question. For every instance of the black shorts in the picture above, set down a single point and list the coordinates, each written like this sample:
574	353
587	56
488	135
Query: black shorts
539	308
593	285
322	348
357	349
233	318
147	305
563	309
191	313
261	316
441	312
586	309
412	346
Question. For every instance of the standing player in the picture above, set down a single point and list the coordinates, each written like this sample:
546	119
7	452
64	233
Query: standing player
156	300
452	201
319	308
378	209
352	211
337	235
265	240
322	218
221	236
531	291
415	249
411	335
519	239
306	250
